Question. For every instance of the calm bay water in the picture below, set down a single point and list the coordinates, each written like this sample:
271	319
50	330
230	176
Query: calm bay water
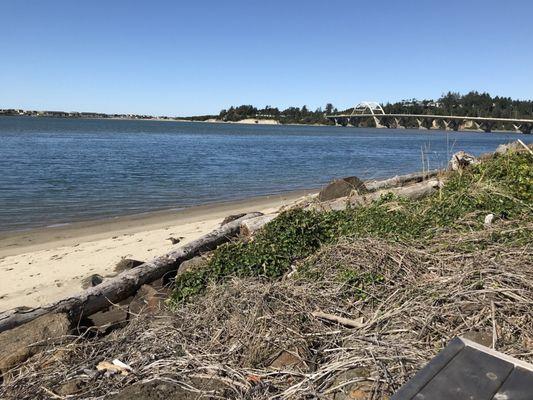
56	171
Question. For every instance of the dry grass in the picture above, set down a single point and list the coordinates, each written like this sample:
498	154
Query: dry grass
412	301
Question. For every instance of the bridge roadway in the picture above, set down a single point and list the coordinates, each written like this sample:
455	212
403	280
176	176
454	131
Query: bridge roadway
449	122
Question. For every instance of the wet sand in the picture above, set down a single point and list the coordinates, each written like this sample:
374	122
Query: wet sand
43	265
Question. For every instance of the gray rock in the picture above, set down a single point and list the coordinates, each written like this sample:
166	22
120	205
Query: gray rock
342	188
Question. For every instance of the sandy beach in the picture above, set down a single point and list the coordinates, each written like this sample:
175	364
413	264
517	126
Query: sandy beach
43	265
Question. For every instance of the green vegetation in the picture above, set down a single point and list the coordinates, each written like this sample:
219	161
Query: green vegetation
502	185
472	104
291	115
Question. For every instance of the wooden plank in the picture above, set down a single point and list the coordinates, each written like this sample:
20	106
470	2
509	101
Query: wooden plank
471	375
518	386
435	365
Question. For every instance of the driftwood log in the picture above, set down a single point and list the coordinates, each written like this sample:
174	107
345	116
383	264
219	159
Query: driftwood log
414	192
124	285
250	226
400	180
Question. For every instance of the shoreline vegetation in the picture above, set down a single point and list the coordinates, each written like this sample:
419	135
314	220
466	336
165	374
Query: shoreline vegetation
342	295
472	104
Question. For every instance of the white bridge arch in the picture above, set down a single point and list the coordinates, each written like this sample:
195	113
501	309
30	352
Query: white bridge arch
372	106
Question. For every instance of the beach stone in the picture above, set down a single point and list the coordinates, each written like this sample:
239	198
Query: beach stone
127	264
91	281
342	188
461	160
147	301
192	264
17	344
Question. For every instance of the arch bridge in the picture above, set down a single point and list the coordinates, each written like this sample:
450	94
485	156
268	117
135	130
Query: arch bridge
368	113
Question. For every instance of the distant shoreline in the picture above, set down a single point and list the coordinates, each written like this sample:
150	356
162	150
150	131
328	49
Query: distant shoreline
247	121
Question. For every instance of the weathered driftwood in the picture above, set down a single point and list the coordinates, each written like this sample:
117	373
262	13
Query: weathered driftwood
413	192
400	180
125	284
350	323
249	226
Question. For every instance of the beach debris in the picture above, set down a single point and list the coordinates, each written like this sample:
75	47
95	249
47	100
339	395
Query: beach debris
488	220
231	218
400	180
114	367
127	263
249	226
92	281
350	323
342	188
461	160
526	147
174	240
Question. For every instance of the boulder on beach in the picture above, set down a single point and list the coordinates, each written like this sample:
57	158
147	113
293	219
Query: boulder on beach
342	188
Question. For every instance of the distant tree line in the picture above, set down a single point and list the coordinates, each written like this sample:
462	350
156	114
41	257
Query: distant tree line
291	115
473	104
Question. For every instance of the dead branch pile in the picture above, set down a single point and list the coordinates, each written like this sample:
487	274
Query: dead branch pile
405	302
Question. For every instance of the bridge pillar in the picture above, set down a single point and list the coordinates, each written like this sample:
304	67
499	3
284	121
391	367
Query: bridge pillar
487	126
398	124
424	123
526	128
455	124
378	123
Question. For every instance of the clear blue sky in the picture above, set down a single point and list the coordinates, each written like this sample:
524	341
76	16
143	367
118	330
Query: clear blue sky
183	58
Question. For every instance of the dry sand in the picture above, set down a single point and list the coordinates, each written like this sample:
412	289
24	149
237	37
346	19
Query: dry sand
44	265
